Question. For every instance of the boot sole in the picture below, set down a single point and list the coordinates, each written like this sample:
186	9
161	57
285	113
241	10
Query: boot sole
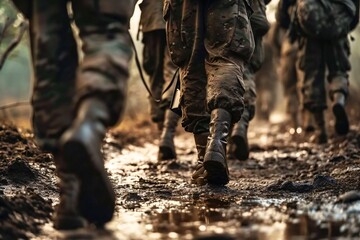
97	197
239	148
342	122
217	172
166	153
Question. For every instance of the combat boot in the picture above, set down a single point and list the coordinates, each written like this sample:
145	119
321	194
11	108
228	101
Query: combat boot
81	147
320	132
200	174
166	145
341	118
66	214
215	155
239	145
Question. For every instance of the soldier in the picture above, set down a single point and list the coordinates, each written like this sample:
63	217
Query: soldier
210	41
158	65
321	28
74	103
239	147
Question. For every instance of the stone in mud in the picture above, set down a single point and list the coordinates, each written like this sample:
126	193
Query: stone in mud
291	187
349	197
296	187
132	196
321	181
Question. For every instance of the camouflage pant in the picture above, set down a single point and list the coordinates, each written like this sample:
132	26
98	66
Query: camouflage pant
315	58
260	27
266	80
209	40
288	74
157	64
61	82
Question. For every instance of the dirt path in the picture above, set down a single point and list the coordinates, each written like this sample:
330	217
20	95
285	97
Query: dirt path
285	190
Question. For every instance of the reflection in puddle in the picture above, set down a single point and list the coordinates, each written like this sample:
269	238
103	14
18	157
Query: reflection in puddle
157	202
160	209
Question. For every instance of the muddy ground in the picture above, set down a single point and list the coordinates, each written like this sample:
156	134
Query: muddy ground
288	189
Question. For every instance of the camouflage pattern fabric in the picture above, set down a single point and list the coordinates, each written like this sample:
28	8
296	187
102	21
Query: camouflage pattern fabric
156	60
158	65
209	40
315	58
317	54
61	82
266	80
332	17
260	26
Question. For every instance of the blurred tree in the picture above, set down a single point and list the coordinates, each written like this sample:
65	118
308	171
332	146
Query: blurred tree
12	28
15	72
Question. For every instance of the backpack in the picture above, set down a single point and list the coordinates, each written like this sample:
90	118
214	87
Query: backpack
326	19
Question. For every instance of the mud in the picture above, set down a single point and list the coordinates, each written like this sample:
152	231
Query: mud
288	189
26	185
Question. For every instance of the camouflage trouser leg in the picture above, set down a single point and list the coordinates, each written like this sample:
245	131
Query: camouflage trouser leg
169	71
55	61
158	65
337	57
288	75
153	63
249	76
312	63
192	69
250	92
103	73
228	49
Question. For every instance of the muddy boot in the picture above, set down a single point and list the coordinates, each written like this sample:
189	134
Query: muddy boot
66	214
320	135
166	145
239	145
215	155
341	119
81	148
200	174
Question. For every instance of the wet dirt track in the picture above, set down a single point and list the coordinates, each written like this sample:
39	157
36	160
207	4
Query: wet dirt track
286	190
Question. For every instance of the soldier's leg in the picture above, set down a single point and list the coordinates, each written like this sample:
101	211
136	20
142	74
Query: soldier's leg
239	147
312	63
337	55
55	61
288	77
189	56
166	145
101	84
153	63
227	50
